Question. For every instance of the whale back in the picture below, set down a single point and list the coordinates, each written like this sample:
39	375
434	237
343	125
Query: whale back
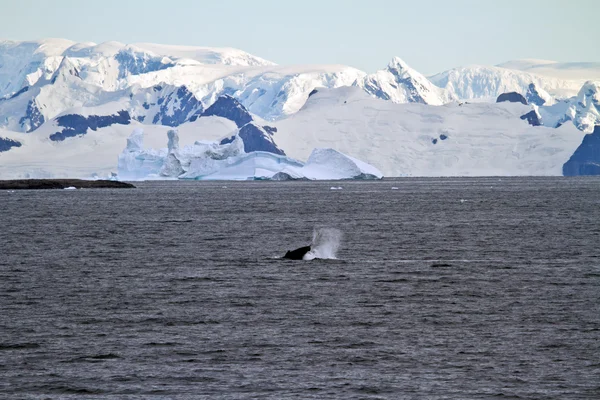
297	254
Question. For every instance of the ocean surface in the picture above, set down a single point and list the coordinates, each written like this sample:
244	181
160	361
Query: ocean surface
442	289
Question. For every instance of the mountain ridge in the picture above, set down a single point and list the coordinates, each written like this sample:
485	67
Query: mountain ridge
65	100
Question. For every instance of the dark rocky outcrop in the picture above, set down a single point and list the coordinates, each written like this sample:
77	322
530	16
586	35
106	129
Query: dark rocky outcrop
177	107
228	107
297	254
533	96
270	129
16	94
257	139
75	124
7	144
33	118
586	159
512	97
20	184
533	118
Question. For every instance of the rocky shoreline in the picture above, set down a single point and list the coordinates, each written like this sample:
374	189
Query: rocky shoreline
35	184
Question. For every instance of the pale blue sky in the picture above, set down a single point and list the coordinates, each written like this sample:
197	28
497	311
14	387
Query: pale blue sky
430	35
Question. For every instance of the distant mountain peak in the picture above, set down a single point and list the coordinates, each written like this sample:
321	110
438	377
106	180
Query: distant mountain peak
402	84
398	64
590	91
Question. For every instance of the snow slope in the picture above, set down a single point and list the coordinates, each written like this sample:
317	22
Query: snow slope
581	71
421	140
486	83
205	55
21	63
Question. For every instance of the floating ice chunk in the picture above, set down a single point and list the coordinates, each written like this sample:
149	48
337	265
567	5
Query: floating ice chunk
173	137
332	164
229	161
135	142
172	165
135	162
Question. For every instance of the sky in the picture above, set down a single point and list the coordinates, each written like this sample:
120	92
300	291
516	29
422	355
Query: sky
430	35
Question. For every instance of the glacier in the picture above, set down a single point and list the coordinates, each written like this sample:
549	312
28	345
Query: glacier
476	139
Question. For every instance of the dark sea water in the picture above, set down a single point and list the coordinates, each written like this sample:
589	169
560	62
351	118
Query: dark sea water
443	289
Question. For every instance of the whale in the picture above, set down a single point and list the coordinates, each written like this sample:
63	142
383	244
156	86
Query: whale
297	254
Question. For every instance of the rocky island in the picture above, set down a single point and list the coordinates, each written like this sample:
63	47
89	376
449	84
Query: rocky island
18	184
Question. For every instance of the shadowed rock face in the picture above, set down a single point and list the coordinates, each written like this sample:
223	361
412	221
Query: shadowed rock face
75	124
512	97
297	254
177	107
33	118
532	118
6	144
23	90
257	139
533	96
228	107
586	159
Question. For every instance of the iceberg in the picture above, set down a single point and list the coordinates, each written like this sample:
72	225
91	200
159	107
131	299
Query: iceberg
331	164
137	163
228	161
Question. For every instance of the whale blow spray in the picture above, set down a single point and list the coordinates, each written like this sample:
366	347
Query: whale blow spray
325	244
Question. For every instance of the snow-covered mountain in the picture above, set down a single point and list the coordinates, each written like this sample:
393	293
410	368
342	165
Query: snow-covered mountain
402	84
487	83
582	110
24	63
67	109
40	80
58	75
